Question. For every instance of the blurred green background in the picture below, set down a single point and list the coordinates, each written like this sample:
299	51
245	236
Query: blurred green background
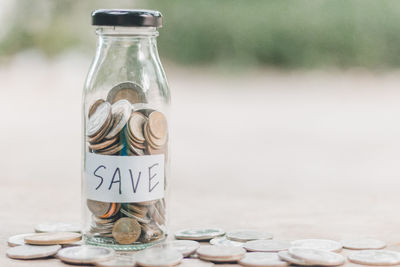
278	33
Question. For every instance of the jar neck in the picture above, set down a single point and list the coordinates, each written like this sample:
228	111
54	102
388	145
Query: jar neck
137	42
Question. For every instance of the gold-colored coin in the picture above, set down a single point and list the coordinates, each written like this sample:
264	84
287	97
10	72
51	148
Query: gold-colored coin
126	231
53	238
136	125
158	124
127	90
94	106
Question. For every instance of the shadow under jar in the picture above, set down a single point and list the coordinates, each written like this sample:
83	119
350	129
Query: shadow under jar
125	138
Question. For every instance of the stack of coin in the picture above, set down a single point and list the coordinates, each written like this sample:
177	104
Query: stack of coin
116	126
104	215
156	133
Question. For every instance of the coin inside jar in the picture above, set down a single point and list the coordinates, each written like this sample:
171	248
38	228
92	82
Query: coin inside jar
126	231
98	208
158	124
136	125
94	106
99	118
127	90
121	112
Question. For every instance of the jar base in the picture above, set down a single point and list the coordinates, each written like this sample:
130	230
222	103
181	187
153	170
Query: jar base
111	243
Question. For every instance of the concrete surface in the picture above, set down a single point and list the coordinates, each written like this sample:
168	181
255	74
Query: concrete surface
301	155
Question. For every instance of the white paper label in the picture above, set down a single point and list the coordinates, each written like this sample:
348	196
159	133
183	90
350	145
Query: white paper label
124	178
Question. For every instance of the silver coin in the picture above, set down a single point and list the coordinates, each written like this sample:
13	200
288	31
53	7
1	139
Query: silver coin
85	254
32	252
366	243
285	256
223	241
220	253
375	257
57	227
262	259
317	256
121	112
131	215
98	119
186	247
191	262
266	245
156	257
17	240
118	261
127	90
324	244
199	233
247	235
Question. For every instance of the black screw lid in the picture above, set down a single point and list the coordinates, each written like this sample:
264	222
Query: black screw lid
127	17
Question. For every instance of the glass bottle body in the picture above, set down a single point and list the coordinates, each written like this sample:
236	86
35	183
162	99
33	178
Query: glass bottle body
125	141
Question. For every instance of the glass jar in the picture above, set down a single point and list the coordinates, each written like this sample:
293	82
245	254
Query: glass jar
125	138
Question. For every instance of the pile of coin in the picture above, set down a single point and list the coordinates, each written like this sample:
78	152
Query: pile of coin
115	127
257	248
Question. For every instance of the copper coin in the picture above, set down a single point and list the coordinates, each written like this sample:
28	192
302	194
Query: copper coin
98	208
158	124
136	125
111	150
126	231
103	145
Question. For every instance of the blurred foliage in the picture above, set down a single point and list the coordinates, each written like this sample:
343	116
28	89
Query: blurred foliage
283	33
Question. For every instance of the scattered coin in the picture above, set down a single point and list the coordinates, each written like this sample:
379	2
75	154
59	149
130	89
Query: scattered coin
266	245
364	244
285	256
199	233
375	257
126	231
57	227
118	261
324	244
247	235
262	259
158	257
186	247
99	119
52	238
17	240
121	112
195	263
26	252
317	256
220	253
85	254
223	241
127	90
